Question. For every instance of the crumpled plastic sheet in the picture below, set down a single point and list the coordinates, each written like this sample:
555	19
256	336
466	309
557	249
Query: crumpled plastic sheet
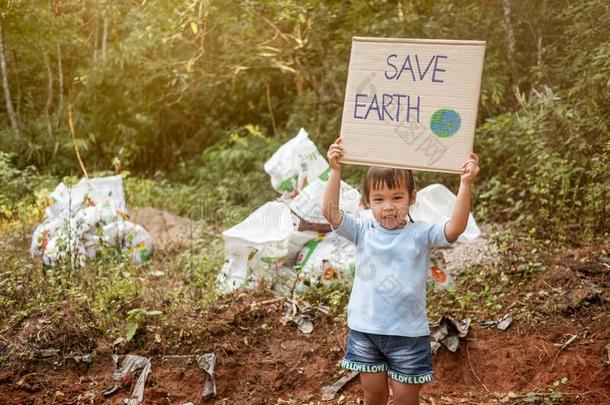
330	391
133	363
502	323
207	362
85	358
301	315
447	332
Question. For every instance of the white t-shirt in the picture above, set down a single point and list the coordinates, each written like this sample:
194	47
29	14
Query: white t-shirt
389	292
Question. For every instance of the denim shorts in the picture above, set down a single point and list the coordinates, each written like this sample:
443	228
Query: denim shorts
405	359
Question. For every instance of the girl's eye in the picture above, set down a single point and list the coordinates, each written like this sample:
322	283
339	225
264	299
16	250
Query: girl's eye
377	199
398	198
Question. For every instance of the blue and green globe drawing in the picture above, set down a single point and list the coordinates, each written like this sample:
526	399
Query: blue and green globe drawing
444	123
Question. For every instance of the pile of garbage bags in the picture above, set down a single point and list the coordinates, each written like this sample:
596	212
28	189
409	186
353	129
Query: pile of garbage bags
82	219
289	243
290	235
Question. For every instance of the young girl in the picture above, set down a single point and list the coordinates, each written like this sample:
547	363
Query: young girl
388	326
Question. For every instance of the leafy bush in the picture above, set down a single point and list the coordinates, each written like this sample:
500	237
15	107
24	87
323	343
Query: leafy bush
539	186
18	188
166	92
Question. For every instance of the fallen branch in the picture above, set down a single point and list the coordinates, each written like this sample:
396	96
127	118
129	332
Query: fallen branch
472	369
563	346
80	161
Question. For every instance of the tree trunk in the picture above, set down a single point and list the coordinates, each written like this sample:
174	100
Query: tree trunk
104	39
95	37
511	40
400	12
47	106
7	94
60	78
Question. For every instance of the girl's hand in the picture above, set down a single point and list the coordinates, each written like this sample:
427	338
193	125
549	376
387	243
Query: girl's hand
335	152
470	169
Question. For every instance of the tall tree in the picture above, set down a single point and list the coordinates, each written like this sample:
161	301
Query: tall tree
7	93
511	39
49	103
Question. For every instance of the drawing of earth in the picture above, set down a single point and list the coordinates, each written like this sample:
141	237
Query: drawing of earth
444	123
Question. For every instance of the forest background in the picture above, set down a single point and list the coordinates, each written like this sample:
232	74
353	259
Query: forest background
191	97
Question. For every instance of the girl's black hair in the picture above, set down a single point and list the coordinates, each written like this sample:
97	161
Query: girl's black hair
377	177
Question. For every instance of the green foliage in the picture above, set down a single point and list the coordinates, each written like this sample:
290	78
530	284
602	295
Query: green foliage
551	395
552	152
120	294
14	184
135	318
20	190
221	187
208	90
480	292
334	295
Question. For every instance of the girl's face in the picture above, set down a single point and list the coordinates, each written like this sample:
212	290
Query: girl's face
390	206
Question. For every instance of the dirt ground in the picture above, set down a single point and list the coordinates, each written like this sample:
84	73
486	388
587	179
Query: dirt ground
558	356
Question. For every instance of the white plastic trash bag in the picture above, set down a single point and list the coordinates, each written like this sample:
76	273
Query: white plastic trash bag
438	274
64	201
326	258
108	191
308	203
296	164
130	238
434	203
266	238
77	216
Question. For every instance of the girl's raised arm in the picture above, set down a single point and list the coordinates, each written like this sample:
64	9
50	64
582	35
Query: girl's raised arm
330	204
459	217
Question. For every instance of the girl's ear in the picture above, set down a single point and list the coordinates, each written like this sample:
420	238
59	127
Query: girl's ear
413	197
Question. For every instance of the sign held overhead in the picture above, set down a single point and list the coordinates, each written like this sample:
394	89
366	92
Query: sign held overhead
411	103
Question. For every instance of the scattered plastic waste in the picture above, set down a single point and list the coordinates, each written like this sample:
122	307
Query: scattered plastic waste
438	275
565	344
330	391
447	332
87	396
131	364
111	390
504	322
207	362
44	353
265	239
129	237
301	315
81	218
85	358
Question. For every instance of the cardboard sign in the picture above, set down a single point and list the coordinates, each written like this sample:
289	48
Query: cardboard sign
411	103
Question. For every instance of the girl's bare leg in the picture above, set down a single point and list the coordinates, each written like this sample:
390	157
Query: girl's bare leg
405	394
375	386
